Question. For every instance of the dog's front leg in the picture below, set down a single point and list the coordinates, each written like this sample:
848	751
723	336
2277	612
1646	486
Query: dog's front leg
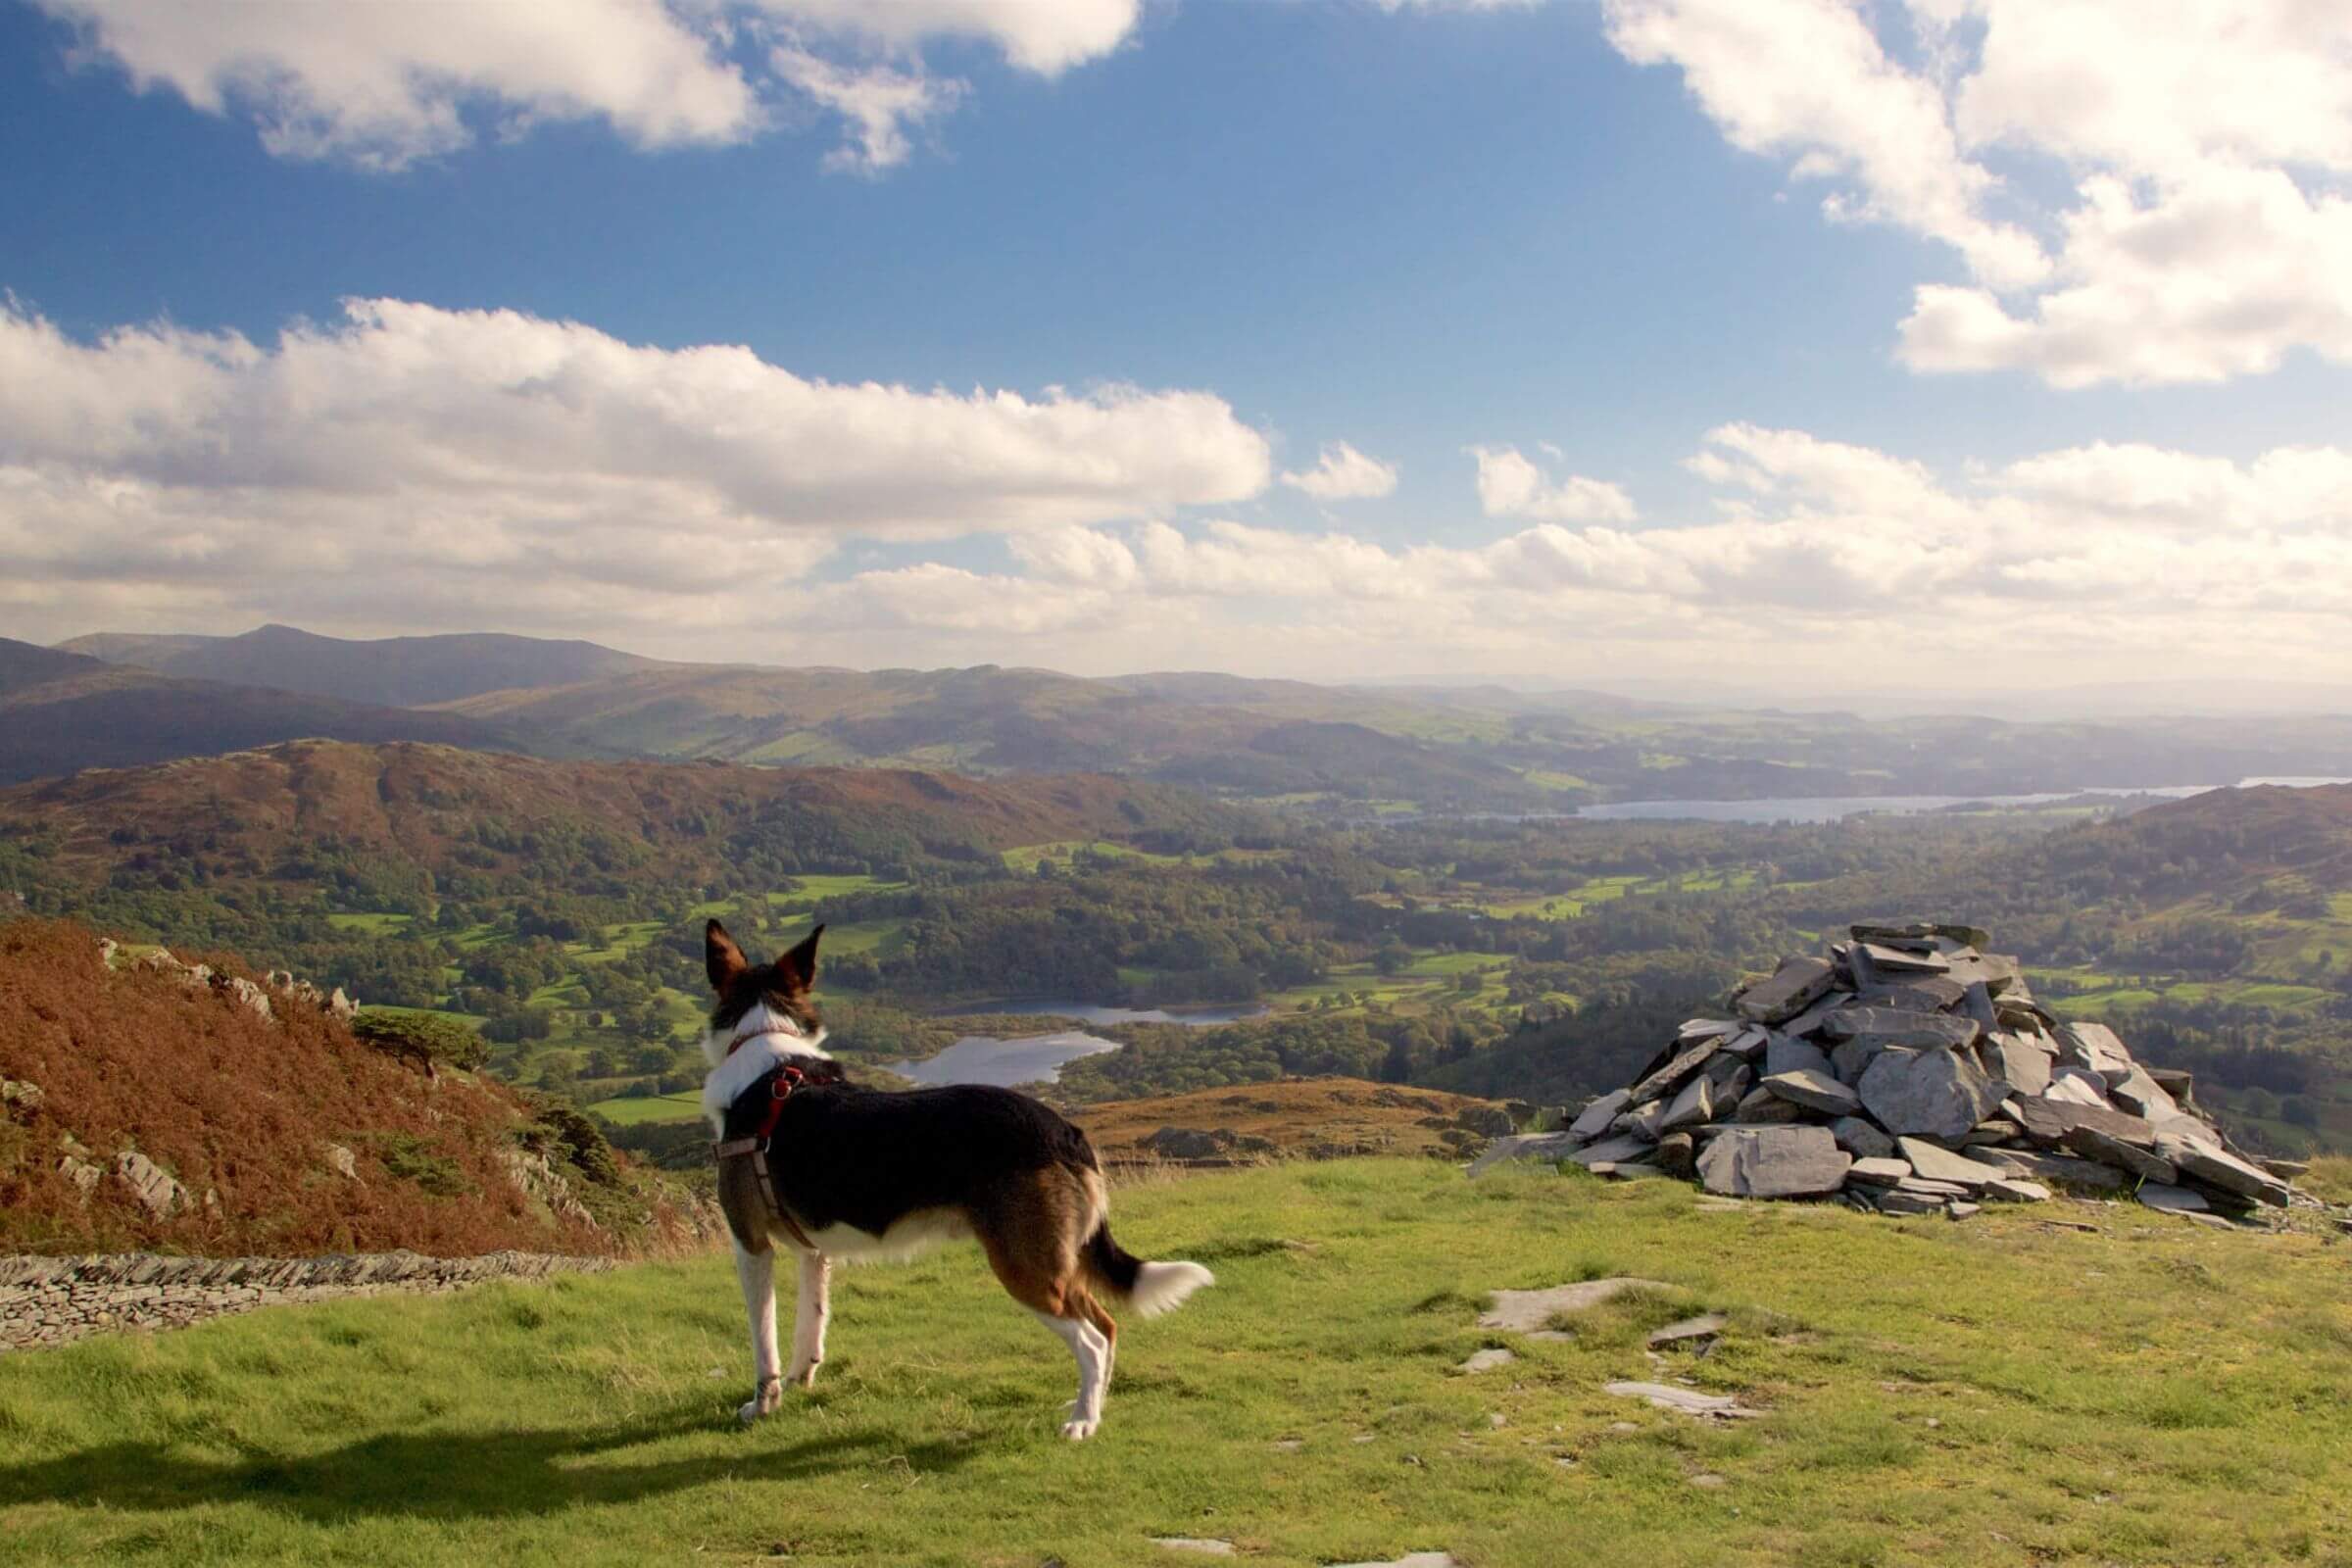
756	1272
813	1312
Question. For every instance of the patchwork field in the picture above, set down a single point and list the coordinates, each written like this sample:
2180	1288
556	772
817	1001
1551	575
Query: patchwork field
2010	1391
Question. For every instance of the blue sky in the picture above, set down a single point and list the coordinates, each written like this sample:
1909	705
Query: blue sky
1589	236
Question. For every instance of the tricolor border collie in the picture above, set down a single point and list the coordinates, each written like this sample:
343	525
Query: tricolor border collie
857	1173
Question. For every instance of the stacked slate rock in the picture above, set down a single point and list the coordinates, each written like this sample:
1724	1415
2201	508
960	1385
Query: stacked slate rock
1909	1071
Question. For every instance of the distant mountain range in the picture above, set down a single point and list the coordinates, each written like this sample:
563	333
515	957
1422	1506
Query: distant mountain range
116	699
387	672
59	712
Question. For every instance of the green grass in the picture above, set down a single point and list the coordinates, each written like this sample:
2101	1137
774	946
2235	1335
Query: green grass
813	886
375	925
629	1110
1997	1392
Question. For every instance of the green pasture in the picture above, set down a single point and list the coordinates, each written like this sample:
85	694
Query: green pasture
2075	1384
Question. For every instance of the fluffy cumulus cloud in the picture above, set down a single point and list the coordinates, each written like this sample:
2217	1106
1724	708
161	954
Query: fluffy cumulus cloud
2117	561
1343	473
1511	484
2201	231
380	85
490	466
405	465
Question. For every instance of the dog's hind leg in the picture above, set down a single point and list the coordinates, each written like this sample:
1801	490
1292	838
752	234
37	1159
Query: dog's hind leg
757	1273
1093	1354
812	1312
1107	1326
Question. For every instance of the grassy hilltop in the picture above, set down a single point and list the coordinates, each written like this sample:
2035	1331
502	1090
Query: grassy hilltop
2006	1391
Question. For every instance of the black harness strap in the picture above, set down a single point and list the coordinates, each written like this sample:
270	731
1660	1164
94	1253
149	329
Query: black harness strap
780	1085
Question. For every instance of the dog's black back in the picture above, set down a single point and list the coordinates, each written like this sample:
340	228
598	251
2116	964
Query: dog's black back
845	1155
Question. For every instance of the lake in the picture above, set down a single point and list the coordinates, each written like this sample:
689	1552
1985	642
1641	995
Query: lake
1040	1058
1837	808
1199	1017
986	1060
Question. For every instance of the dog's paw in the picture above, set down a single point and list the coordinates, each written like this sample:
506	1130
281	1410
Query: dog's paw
1079	1431
765	1402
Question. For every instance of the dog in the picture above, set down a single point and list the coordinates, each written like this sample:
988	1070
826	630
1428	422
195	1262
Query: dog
855	1173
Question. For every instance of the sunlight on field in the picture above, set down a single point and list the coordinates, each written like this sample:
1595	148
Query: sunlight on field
631	1110
1999	1392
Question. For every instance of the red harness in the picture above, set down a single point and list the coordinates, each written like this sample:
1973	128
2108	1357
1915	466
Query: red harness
780	1088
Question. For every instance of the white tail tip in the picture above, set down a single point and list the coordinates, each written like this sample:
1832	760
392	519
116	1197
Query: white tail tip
1162	1287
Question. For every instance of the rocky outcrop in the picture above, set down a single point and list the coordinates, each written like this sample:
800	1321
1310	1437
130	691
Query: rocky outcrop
52	1300
1908	1070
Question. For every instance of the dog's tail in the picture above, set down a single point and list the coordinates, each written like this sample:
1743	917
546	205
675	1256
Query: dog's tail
1150	1288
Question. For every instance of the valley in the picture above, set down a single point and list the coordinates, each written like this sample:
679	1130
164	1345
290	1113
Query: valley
556	908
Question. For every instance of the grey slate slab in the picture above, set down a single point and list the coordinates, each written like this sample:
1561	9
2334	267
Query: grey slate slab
1815	1091
1594	1119
1787	991
1938	1094
1774	1162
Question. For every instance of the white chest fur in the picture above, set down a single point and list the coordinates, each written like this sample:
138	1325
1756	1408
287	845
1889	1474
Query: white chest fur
774	1038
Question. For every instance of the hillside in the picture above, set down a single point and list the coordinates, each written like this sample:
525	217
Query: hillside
445	810
2075	1387
147	1109
1341	749
385	672
62	712
1296	1118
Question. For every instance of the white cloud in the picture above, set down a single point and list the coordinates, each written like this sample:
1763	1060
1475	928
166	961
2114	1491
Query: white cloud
1512	485
382	84
2216	273
1822	559
490	466
2203	145
878	103
1046	37
1343	473
1807	79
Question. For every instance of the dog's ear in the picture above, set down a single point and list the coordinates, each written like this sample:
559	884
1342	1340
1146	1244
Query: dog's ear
722	959
799	966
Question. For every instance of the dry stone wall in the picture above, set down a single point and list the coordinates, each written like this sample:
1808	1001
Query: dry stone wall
52	1300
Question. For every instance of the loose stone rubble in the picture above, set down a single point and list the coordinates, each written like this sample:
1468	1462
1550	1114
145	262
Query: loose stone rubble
1910	1071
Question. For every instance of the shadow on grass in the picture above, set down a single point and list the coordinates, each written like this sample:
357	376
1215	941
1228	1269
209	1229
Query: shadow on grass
447	1475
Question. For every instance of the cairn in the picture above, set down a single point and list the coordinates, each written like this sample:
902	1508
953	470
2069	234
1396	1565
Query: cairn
1910	1071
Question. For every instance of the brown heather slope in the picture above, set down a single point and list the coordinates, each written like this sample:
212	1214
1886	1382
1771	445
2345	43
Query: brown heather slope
242	814
1303	1118
242	1110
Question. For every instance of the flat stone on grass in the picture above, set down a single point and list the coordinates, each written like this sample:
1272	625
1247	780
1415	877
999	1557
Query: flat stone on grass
1197	1544
1487	1360
2172	1199
1683	1402
1690	1333
1525	1311
1524	1146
